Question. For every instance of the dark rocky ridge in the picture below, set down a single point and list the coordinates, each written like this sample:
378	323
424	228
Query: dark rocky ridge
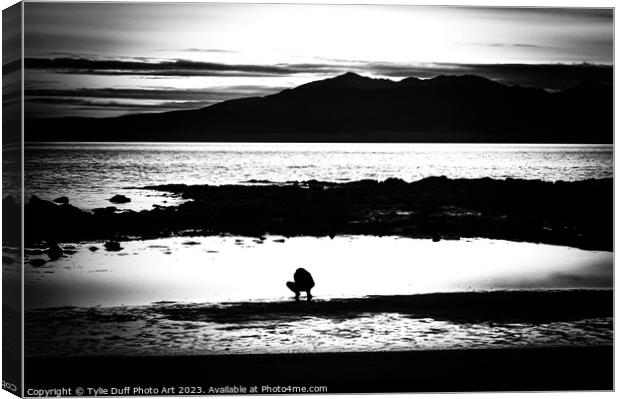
578	214
353	108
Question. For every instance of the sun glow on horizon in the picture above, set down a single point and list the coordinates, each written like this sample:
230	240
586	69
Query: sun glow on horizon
273	46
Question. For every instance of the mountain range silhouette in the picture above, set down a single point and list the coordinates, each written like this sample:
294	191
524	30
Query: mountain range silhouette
354	108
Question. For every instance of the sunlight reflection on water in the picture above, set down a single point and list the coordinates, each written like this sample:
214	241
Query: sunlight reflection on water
90	173
227	268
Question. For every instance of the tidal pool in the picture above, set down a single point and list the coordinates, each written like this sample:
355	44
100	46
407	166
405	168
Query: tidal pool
227	268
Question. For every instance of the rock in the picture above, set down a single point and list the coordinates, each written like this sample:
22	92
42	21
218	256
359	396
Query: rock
108	210
36	204
394	181
436	237
69	212
112	246
62	200
54	251
93	249
38	262
51	216
119	199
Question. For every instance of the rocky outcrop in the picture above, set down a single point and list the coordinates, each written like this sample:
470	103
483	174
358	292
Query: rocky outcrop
578	214
119	199
112	246
55	251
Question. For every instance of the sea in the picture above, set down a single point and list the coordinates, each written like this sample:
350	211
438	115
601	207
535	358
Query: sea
90	173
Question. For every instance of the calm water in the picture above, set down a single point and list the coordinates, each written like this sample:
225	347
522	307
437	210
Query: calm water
217	269
89	174
141	286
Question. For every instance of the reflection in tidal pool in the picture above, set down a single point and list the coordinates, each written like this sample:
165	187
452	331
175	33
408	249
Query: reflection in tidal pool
225	268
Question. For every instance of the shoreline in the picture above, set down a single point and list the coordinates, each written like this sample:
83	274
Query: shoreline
424	322
577	214
501	305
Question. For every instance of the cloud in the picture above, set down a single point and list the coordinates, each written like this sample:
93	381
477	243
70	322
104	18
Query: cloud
548	76
170	68
156	94
527	45
42	107
119	104
206	50
46	102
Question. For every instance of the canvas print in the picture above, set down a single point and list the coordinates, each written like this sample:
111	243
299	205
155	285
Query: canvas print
300	198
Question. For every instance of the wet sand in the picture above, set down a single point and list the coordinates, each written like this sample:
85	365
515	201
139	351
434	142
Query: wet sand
500	319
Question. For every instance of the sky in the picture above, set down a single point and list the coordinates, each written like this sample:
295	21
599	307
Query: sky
108	59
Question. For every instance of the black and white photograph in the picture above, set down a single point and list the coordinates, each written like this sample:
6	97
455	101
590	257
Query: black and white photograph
281	198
